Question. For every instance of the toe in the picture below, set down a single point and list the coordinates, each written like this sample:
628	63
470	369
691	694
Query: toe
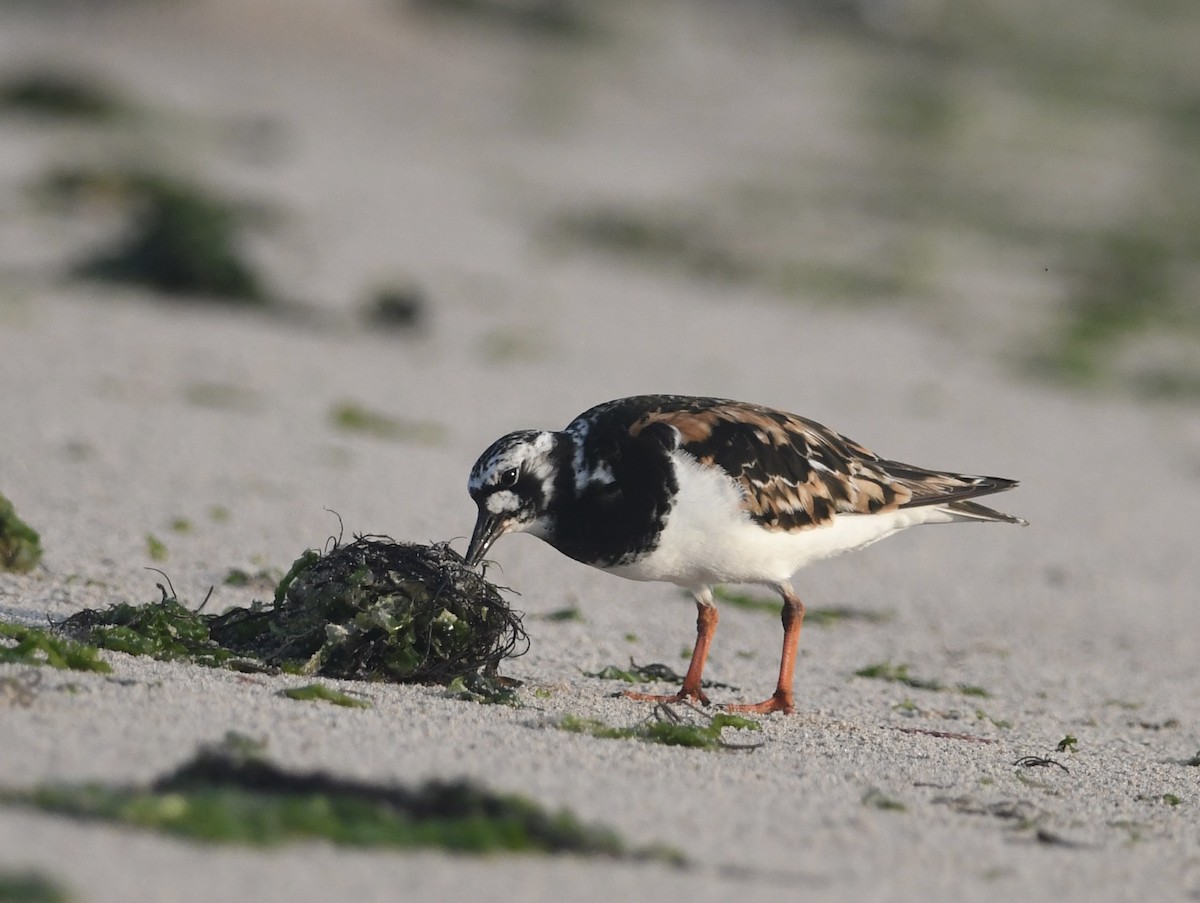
780	702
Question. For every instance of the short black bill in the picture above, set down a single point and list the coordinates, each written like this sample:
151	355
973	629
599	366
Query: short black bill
488	528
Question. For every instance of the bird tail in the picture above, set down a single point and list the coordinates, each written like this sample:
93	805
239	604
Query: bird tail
966	510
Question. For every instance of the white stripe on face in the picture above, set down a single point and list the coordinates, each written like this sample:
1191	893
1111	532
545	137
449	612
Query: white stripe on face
503	502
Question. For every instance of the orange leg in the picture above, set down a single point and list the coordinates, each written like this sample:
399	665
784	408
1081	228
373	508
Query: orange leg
706	626
781	700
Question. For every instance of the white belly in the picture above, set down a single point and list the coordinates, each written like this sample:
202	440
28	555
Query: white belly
709	538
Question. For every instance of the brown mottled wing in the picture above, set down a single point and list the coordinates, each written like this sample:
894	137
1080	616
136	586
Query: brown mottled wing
796	473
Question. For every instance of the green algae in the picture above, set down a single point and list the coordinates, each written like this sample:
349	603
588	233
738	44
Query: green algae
322	693
30	887
20	544
352	417
232	795
35	646
166	630
667	731
900	674
51	93
485	689
182	238
818	617
877	799
156	548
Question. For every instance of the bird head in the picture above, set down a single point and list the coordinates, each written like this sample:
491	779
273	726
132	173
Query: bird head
512	484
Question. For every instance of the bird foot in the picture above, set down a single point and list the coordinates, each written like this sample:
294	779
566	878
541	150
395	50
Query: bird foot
684	695
781	701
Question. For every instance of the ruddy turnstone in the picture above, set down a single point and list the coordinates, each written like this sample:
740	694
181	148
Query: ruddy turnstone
703	491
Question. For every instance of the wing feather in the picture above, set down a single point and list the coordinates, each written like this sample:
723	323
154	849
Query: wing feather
796	473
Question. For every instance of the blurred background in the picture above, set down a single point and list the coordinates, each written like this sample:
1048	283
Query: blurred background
1023	176
260	260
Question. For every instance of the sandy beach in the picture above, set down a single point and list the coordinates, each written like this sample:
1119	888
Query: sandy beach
381	144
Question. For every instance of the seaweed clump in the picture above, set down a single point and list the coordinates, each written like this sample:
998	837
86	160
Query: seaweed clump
374	609
381	609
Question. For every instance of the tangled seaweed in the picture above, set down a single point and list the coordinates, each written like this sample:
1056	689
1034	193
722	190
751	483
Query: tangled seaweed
374	609
378	608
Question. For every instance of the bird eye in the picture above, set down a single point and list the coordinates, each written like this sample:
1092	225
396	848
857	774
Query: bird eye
508	478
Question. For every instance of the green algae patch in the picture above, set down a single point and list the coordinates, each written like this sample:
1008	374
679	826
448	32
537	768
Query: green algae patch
899	674
352	417
30	887
262	578
322	693
54	94
156	548
667	729
182	238
681	242
486	689
166	630
232	796
374	609
35	646
818	617
20	544
877	799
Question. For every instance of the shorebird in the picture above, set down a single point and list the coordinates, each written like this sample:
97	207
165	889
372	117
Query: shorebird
704	491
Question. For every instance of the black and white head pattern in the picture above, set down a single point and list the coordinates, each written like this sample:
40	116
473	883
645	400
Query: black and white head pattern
513	479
